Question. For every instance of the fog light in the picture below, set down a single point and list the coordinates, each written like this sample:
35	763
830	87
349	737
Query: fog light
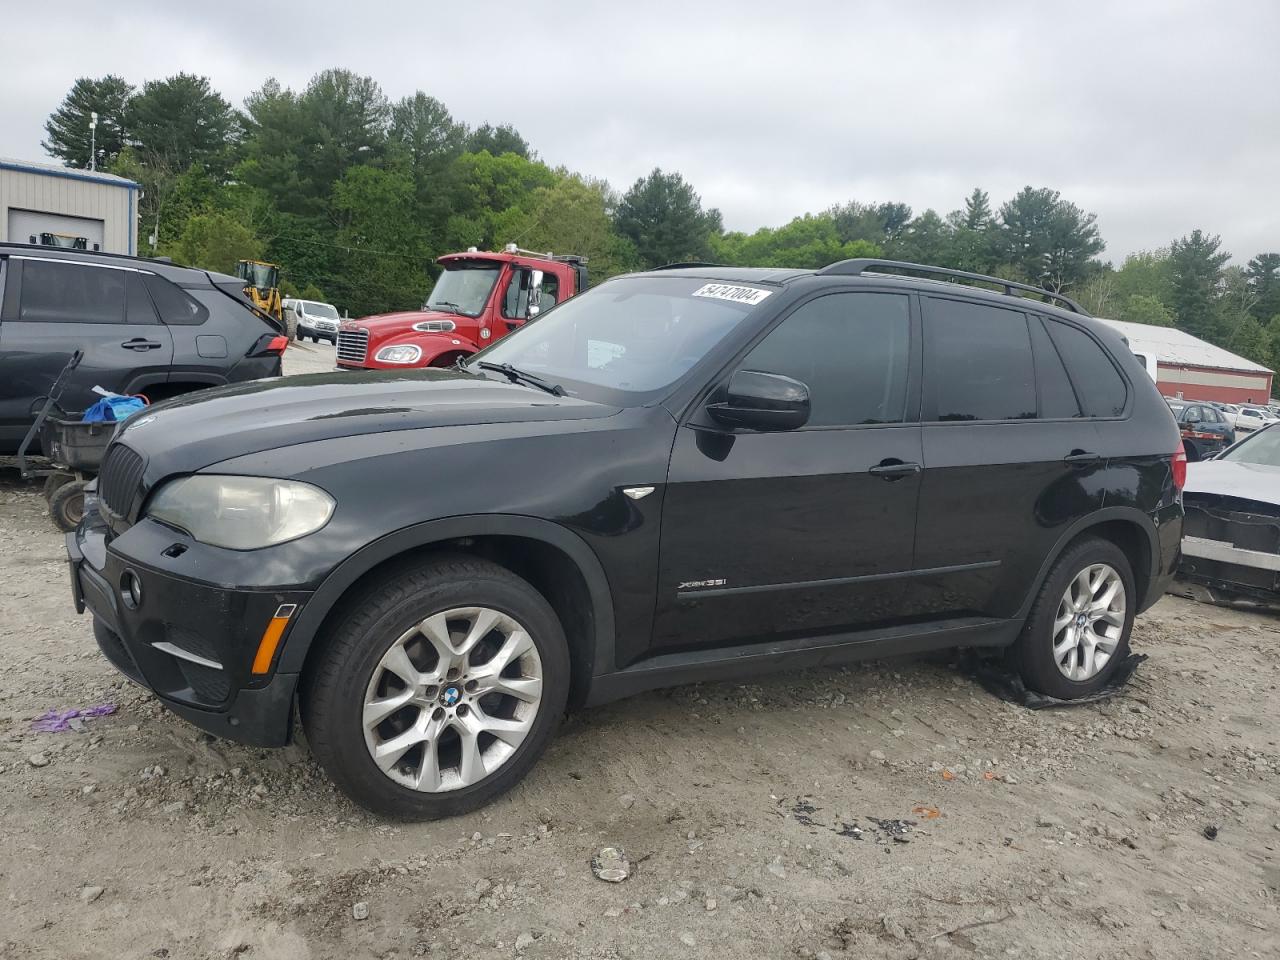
131	590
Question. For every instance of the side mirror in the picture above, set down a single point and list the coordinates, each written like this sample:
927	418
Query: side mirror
535	294
762	401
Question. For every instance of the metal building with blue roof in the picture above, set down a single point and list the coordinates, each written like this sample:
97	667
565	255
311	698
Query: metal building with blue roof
43	203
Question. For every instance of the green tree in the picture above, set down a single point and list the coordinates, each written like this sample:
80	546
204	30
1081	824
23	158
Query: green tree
1263	274
1195	270
384	254
181	120
927	239
346	117
214	241
977	210
876	223
573	216
663	216
807	242
1142	308
1147	273
423	129
67	129
1048	240
490	197
498	140
276	133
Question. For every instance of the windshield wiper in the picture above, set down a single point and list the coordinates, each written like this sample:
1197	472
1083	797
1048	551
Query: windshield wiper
444	303
516	376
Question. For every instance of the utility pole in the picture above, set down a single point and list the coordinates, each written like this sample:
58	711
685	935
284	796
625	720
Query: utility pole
93	141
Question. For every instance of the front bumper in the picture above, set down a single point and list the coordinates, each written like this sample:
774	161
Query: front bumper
1232	547
191	643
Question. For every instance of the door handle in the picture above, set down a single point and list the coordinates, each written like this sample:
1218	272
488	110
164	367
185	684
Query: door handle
137	343
893	469
1080	458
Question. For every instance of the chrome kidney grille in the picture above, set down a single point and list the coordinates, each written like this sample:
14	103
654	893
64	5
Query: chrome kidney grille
353	345
119	478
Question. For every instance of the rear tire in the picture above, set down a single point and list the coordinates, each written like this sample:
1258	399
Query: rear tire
425	621
1077	634
66	506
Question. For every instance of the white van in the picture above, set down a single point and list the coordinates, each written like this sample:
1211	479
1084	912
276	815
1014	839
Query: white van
319	321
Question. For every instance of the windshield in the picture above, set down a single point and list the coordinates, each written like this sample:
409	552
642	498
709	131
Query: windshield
260	275
320	310
635	335
463	288
1263	447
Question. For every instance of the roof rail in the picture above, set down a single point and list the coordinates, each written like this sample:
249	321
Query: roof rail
689	263
861	265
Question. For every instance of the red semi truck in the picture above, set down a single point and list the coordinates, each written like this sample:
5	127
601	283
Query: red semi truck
480	297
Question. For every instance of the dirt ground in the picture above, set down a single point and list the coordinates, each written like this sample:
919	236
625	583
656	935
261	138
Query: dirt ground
762	818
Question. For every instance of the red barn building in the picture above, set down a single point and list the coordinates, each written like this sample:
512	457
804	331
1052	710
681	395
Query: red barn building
1188	367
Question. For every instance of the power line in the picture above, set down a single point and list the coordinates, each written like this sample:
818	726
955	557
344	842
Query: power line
350	249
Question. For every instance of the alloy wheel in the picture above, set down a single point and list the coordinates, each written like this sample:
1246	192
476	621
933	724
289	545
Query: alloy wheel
1089	623
452	699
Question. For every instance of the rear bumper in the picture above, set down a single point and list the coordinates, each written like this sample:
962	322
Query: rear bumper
189	643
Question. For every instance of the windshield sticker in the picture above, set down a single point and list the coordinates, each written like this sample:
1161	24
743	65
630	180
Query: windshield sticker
723	291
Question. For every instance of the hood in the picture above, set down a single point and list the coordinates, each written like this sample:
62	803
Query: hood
402	320
1234	478
196	430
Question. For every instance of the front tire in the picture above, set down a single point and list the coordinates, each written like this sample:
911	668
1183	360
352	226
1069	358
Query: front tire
1077	634
437	689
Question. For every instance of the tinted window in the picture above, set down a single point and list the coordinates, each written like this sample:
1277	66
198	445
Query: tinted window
1057	398
138	307
72	293
174	304
850	349
1098	383
978	363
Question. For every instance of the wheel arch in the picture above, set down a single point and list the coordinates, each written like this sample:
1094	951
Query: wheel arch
1128	528
556	561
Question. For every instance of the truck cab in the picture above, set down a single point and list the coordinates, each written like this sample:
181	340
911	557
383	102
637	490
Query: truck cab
479	297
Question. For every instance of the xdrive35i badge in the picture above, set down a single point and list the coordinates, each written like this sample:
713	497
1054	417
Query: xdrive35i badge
697	584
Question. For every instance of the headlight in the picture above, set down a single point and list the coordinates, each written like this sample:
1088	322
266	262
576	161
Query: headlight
241	513
404	353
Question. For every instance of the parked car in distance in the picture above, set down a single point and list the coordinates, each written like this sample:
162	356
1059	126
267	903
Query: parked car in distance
686	474
145	326
1231	547
1205	431
319	321
1253	418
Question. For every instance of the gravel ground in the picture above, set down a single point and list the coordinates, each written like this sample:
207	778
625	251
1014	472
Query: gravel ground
891	809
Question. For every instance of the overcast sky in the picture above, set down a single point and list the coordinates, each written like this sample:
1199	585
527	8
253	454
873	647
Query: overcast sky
1160	115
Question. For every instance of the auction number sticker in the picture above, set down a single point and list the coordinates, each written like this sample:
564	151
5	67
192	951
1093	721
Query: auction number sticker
723	291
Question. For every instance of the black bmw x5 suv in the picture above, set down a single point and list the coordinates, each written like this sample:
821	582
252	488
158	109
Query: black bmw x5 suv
681	475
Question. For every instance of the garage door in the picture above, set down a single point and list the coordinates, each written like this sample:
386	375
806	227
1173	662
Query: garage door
25	224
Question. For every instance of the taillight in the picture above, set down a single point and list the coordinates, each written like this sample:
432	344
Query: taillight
278	345
1179	468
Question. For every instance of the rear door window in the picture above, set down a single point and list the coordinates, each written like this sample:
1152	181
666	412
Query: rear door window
72	293
978	363
1057	397
1098	383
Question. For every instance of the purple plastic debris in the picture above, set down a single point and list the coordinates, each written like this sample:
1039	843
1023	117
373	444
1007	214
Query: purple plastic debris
56	721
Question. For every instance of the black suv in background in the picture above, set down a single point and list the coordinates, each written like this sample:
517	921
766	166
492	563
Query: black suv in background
688	474
145	326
